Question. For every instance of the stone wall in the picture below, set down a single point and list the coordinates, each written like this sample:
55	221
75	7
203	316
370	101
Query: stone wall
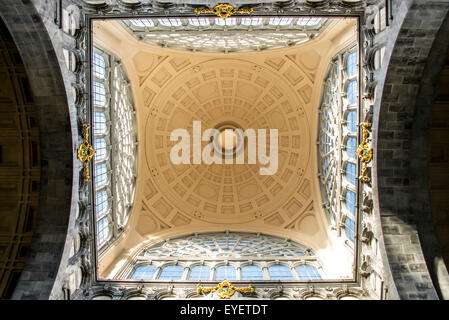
55	201
400	124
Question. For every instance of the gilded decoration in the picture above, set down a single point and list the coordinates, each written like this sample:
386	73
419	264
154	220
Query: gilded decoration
224	289
224	11
86	152
365	152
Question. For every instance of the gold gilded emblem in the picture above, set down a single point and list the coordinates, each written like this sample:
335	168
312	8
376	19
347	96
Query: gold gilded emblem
224	289
224	10
365	152
86	152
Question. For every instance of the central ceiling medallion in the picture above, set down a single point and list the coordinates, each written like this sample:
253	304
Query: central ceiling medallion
224	10
230	141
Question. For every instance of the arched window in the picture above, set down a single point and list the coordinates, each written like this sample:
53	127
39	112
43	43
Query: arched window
338	127
99	122
349	228
252	273
350	201
100	174
309	21
350	171
100	149
142	22
199	22
351	146
171	273
351	120
199	273
114	123
99	68
225	272
251	21
102	230
99	93
225	22
170	22
224	251
101	202
280	272
307	272
278	21
145	272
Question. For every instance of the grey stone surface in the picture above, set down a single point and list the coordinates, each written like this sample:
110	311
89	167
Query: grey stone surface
41	63
400	123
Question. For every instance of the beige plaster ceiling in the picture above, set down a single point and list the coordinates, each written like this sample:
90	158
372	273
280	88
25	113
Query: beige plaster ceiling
276	89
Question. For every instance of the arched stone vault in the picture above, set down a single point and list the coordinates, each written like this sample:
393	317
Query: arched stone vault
401	117
55	200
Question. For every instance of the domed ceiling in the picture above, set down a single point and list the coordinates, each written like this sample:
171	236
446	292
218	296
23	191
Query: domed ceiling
273	89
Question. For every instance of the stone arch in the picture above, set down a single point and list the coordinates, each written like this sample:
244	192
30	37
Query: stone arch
47	85
400	122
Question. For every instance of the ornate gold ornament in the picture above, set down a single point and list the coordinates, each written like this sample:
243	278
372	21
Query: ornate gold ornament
365	152
86	152
224	289
224	10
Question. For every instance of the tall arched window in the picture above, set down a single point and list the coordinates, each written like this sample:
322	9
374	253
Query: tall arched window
280	272
338	141
114	164
252	273
171	273
199	273
144	272
307	272
222	255
225	272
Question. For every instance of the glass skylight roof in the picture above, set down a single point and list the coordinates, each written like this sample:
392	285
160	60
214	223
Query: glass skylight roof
225	35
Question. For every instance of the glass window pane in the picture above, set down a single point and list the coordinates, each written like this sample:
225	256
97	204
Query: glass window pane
280	21
352	92
100	174
252	273
225	272
280	272
99	93
351	172
99	122
142	22
351	120
351	64
351	146
101	202
350	201
225	22
171	273
199	273
349	228
251	21
170	22
307	272
309	21
102	231
199	21
100	148
98	66
143	273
